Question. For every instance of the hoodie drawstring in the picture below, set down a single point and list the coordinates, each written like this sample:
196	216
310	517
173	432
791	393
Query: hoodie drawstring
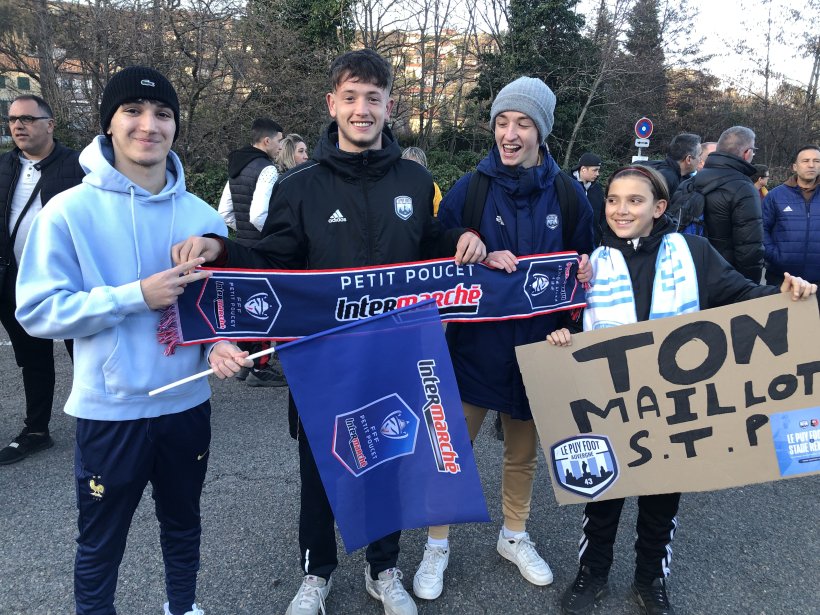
134	232
173	219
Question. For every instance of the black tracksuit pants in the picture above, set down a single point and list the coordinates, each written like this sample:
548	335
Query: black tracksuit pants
655	527
317	534
34	355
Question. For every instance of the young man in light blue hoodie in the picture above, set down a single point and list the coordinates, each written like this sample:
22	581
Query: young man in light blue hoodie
97	268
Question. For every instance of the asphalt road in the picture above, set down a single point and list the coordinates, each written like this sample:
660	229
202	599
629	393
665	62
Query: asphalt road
744	551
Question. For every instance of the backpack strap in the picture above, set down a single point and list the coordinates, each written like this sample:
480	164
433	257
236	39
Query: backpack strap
568	202
477	191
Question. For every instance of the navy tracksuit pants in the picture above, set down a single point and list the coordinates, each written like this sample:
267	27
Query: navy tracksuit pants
114	461
656	526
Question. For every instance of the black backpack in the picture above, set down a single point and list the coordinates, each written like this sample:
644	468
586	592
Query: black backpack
687	204
479	187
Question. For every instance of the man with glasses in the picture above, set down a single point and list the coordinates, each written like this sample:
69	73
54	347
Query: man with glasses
30	174
732	216
682	160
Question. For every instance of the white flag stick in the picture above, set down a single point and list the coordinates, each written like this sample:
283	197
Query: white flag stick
207	372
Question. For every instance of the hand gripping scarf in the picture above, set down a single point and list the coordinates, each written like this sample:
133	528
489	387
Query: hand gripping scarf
252	305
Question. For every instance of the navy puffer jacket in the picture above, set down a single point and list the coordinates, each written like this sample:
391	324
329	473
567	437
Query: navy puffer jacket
522	215
791	232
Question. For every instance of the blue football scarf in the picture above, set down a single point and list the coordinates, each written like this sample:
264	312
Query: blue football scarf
611	299
254	305
385	424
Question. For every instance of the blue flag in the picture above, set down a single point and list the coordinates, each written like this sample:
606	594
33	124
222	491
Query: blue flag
380	406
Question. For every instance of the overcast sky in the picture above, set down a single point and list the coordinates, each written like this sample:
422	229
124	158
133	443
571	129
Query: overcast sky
724	23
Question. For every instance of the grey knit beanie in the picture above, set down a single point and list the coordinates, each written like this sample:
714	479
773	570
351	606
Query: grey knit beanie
529	96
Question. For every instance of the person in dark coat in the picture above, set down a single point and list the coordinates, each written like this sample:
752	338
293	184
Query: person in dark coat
732	215
681	161
38	168
586	172
252	174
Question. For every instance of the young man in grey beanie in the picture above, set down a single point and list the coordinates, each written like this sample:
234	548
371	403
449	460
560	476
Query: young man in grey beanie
521	215
97	268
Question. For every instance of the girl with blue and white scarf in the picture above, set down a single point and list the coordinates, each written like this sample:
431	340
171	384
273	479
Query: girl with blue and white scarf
642	271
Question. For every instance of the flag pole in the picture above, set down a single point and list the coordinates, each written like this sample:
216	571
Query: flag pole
207	372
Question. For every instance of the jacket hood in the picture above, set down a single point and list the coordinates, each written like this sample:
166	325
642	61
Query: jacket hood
239	159
97	160
350	166
722	160
517	180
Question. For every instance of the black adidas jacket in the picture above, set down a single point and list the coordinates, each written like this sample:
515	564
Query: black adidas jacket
349	210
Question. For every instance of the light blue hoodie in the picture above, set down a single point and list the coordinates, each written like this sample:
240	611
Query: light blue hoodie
80	278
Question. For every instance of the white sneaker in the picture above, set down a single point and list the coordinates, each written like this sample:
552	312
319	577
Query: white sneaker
195	610
389	590
310	599
521	552
429	580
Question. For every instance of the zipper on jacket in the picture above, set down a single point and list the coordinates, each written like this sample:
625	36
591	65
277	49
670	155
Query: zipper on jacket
806	241
367	232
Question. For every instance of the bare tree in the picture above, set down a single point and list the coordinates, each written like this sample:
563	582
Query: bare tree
609	28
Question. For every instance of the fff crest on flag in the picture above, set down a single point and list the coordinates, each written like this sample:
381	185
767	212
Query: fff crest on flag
374	434
403	206
584	465
544	284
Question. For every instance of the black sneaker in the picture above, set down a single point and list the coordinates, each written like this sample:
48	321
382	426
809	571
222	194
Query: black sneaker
242	374
24	445
581	596
268	376
652	598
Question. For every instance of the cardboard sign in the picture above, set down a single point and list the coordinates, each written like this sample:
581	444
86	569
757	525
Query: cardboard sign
720	398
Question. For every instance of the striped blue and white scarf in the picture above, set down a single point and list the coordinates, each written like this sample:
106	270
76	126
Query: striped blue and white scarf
611	301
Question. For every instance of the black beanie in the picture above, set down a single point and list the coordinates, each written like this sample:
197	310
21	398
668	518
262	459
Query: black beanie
133	83
589	160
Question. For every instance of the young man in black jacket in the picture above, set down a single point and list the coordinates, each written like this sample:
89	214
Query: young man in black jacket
346	208
30	174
